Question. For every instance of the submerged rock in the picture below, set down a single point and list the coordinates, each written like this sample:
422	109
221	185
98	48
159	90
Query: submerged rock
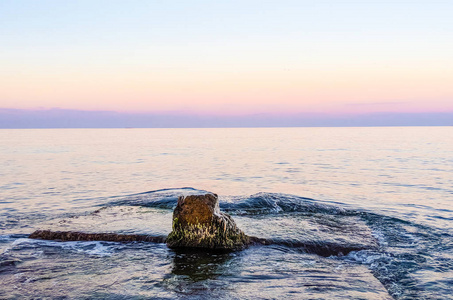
198	223
82	236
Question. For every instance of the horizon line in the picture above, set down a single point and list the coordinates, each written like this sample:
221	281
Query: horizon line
68	118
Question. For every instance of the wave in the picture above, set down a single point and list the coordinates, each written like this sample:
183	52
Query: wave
272	203
257	204
163	198
96	248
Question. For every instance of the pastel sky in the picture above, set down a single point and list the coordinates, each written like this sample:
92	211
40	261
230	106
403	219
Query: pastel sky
227	57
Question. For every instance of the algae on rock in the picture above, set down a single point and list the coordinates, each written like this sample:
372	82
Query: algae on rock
198	223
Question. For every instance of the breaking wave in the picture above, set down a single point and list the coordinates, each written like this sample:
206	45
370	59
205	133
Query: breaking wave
257	204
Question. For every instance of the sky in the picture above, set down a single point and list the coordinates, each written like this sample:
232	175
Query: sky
228	59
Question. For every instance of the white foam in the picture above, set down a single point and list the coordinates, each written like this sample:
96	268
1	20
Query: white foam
366	257
380	237
91	248
5	237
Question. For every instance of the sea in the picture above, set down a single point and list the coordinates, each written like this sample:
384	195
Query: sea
385	190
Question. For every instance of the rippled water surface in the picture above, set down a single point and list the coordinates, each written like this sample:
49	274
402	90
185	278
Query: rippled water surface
387	190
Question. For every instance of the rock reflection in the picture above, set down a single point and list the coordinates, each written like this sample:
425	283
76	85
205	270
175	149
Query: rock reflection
198	265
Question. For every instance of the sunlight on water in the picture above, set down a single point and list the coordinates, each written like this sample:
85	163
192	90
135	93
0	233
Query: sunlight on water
399	170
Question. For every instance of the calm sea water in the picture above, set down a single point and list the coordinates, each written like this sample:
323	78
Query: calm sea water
324	185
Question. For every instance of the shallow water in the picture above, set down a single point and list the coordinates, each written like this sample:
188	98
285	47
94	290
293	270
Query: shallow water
387	189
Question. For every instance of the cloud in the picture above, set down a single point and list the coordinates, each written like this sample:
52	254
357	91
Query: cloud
377	103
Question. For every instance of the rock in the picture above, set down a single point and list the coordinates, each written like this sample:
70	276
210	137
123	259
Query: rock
198	223
81	236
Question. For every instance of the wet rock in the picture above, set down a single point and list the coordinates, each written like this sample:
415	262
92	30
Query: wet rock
323	248
198	223
81	236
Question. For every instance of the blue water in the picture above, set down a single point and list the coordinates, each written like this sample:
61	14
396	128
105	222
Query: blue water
389	190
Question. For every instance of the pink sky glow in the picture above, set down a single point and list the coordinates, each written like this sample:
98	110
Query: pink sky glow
331	57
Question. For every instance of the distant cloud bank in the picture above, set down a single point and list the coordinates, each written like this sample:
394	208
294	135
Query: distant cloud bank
64	118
